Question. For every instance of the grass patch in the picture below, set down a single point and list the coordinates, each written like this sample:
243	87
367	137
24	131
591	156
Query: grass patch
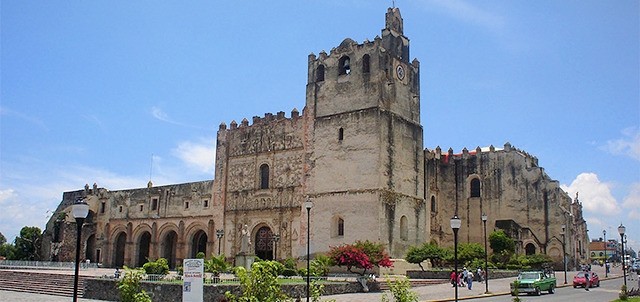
630	299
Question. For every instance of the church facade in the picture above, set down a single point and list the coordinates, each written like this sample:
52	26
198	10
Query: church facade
355	154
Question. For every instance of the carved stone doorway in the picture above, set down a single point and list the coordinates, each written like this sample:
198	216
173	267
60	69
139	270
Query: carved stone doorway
264	243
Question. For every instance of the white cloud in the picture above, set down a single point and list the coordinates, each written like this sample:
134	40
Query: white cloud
199	155
159	114
30	201
5	195
631	202
628	145
594	195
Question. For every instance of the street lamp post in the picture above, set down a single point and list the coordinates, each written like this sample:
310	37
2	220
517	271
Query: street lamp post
486	254
219	234
621	230
564	253
455	225
308	205
80	210
606	270
276	238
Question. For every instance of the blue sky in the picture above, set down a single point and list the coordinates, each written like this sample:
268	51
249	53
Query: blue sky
114	92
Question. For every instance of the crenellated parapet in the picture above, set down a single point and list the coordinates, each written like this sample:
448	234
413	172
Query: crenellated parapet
450	156
273	132
268	118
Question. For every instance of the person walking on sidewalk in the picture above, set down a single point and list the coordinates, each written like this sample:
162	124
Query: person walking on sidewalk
469	279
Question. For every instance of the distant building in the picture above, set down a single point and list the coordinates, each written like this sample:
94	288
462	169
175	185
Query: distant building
356	151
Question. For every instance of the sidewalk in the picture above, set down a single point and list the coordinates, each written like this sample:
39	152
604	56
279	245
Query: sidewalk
445	292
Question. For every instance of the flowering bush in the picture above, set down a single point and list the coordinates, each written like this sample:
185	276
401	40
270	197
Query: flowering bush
361	255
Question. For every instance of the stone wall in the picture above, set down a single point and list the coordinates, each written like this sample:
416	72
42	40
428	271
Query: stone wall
105	289
507	185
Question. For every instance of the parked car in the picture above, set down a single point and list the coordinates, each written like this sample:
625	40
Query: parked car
534	282
580	280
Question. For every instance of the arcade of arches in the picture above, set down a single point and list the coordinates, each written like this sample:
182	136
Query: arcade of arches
134	246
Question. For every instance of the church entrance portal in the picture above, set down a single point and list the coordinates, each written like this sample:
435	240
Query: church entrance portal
264	243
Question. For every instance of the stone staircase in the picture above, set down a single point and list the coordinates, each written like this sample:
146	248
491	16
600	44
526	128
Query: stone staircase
40	283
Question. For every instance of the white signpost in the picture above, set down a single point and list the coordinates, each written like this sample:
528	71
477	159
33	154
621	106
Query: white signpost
193	280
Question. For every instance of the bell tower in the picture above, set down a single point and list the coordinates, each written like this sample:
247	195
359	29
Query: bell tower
364	145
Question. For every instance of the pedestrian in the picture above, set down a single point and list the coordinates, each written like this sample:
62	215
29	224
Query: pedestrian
465	273
116	274
469	280
587	283
454	279
479	274
460	280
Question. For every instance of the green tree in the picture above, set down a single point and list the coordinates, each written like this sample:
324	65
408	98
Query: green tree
129	286
468	252
8	251
259	285
499	241
428	251
27	245
503	248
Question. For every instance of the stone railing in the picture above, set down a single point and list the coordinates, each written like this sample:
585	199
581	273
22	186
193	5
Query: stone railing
44	264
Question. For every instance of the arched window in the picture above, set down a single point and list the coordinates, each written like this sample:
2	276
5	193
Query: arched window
404	228
530	249
344	65
320	73
340	134
340	227
475	187
264	176
365	64
433	203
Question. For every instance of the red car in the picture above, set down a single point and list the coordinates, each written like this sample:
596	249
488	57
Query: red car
580	280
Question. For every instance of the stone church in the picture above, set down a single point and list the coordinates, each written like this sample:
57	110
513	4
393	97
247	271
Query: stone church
355	155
